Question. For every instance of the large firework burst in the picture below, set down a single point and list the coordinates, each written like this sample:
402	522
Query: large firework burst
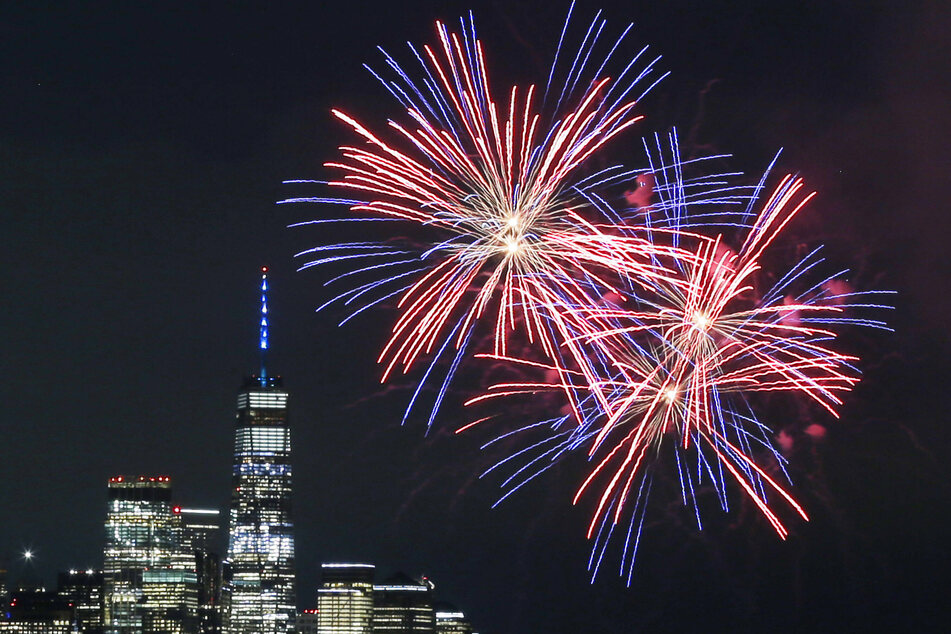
513	221
673	368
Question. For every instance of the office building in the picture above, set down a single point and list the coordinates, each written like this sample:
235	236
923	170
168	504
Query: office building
150	582
139	536
201	530
451	620
345	599
262	590
82	590
402	605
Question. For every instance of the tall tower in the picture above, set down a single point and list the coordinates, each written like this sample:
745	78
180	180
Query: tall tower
261	537
142	548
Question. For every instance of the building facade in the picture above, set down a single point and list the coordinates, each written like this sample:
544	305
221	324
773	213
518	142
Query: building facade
345	599
307	622
201	530
139	536
261	588
150	583
82	590
402	605
451	620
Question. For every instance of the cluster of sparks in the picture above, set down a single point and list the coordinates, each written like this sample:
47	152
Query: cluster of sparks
648	326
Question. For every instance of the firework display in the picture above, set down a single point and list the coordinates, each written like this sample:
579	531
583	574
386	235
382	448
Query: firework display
658	326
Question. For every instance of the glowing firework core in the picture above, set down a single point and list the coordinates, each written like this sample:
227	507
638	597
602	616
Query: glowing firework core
670	394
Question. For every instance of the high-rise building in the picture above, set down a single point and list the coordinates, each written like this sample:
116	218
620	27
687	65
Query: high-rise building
150	583
82	590
139	536
201	529
345	599
451	620
261	539
402	605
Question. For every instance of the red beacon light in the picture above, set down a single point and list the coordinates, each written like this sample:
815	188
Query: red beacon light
177	510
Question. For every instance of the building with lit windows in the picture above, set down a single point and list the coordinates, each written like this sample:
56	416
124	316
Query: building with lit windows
402	605
451	620
261	588
345	599
139	536
150	583
201	528
82	590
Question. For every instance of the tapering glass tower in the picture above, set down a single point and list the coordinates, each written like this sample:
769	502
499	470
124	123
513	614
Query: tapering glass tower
261	538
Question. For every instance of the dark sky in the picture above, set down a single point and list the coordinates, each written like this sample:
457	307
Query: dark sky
142	150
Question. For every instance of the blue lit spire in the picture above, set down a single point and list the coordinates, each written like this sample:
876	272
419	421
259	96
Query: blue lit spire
263	338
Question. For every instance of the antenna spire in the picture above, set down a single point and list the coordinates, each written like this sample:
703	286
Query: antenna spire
262	343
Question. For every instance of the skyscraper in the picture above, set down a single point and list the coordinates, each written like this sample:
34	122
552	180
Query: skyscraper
201	531
82	590
142	581
345	599
402	605
261	538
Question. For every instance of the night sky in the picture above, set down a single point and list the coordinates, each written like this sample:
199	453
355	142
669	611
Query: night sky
143	148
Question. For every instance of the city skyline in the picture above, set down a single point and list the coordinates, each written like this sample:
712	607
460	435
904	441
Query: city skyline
158	553
142	152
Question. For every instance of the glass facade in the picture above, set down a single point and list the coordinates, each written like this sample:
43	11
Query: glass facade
150	582
261	590
345	599
139	534
402	605
201	529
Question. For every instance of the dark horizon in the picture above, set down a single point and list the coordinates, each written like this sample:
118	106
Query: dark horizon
142	153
